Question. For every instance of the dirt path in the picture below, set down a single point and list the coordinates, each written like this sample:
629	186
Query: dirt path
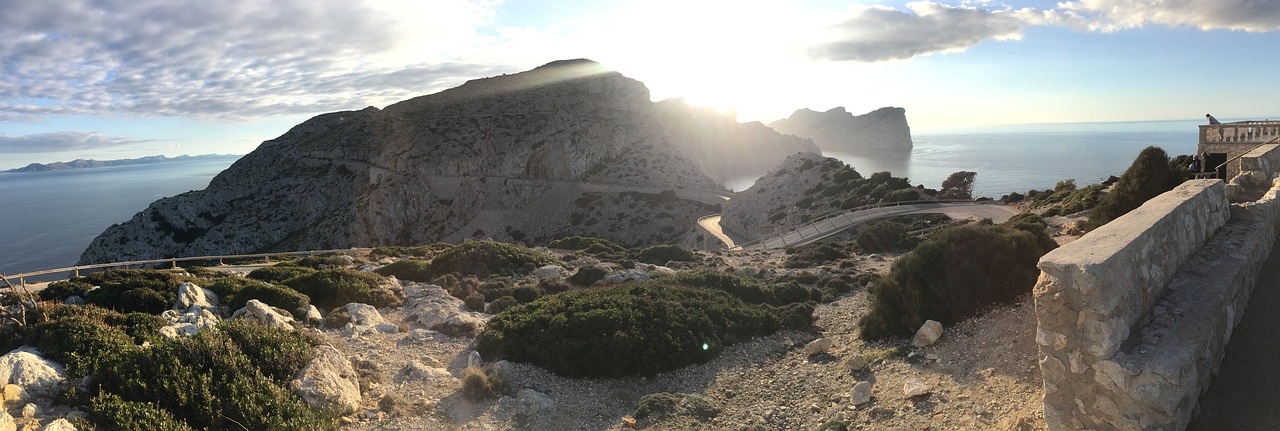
1243	395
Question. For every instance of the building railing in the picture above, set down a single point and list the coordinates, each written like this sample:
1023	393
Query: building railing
74	271
1240	132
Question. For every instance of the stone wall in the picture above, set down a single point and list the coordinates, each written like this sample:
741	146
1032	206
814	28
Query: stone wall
1134	316
1262	159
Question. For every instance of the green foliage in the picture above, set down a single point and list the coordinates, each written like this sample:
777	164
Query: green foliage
661	254
1148	176
333	288
952	276
109	411
498	305
279	273
418	251
83	339
475	301
60	290
657	406
901	195
479	384
318	262
815	254
485	258
145	290
408	269
588	275
746	289
278	353
958	185
882	237
588	244
629	329
235	292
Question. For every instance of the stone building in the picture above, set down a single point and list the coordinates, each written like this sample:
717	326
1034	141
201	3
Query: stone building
1226	145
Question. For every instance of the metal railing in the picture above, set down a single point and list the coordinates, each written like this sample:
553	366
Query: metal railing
74	271
830	220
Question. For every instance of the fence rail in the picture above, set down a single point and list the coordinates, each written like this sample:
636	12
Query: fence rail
830	219
74	271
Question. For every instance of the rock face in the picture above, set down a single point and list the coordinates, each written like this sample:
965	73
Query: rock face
435	309
841	132
725	149
777	201
25	368
569	148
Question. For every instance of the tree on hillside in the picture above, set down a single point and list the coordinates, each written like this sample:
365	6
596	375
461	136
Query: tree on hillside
1150	175
958	186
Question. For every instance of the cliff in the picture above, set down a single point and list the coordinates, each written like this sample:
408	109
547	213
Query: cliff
723	148
839	131
569	148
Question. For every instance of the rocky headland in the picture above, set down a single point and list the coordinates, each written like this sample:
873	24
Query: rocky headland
838	131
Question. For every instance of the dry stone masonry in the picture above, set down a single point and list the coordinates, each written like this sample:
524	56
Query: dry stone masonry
1133	317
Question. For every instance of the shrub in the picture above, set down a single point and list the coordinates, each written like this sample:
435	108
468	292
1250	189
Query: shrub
636	328
418	251
278	353
1148	176
952	276
882	237
459	288
479	384
235	292
657	406
109	411
318	262
958	185
588	244
661	254
485	258
279	273
746	289
333	288
145	290
815	254
475	302
498	305
60	290
83	339
588	275
409	269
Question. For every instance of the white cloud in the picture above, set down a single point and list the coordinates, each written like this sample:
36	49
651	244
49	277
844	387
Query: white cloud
1112	15
880	33
232	59
59	141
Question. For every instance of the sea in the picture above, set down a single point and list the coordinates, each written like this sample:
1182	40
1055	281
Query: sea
49	218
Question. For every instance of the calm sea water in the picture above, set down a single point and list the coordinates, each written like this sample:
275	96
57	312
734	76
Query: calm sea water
50	217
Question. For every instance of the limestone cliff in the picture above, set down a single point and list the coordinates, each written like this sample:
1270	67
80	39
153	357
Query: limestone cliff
569	148
726	150
839	131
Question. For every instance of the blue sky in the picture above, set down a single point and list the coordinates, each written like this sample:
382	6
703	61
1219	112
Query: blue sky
126	78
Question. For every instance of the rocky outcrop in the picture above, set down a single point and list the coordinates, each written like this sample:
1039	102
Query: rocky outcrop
25	368
260	312
779	200
569	148
328	382
436	310
838	131
727	151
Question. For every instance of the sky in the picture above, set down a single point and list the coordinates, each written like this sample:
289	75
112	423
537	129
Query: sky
117	79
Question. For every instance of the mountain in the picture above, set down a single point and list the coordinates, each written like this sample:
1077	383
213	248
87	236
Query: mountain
725	149
91	163
839	131
568	148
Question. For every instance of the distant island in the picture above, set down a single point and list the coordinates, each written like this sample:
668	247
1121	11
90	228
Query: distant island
90	163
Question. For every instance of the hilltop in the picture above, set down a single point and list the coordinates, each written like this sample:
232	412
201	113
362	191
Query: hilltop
91	163
839	131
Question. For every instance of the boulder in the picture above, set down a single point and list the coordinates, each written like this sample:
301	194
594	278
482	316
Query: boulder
6	421
25	368
821	345
30	410
436	310
474	359
328	382
265	314
422	371
191	298
861	393
857	362
625	275
915	388
533	406
74	300
365	319
13	396
549	272
313	316
928	334
188	323
59	425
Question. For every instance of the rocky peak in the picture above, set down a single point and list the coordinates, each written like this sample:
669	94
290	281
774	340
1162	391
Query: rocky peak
836	130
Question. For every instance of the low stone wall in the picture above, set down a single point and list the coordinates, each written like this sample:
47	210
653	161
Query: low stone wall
1265	158
1134	316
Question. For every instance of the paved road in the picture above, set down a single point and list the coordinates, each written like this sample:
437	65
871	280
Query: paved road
712	225
831	226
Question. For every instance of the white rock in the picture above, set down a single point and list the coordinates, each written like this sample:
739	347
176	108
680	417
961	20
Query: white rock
187	324
13	396
328	381
59	425
6	421
474	359
435	309
928	334
386	261
419	370
365	319
74	300
625	275
549	272
347	260
533	406
861	393
30	410
313	316
262	313
25	368
191	296
857	362
821	345
915	388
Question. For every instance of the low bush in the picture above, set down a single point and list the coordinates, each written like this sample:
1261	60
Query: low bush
882	237
588	275
60	290
500	304
953	275
629	329
278	353
418	251
408	269
661	254
1148	176
83	339
587	244
815	254
279	273
459	288
333	288
485	258
144	290
319	262
475	302
479	384
657	406
235	292
109	411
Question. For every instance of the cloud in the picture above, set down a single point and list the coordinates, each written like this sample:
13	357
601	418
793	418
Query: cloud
233	59
1113	15
879	33
59	141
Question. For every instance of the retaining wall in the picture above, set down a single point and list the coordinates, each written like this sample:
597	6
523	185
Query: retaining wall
1134	316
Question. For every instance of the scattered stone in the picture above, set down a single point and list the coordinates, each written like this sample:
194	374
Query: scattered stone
25	368
861	393
435	309
59	425
188	323
915	388
625	275
191	298
880	412
419	370
857	362
265	314
821	345
928	334
328	381
533	406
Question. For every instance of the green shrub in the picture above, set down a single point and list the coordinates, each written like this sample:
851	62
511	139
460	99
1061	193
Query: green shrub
485	258
109	411
657	406
60	290
83	339
279	273
746	289
278	353
235	292
952	276
459	288
333	288
588	244
588	275
145	290
629	329
498	305
798	316
318	262
408	269
418	251
1148	176
815	254
882	237
958	185
661	254
475	302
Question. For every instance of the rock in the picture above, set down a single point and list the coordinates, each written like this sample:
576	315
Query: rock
74	300
880	412
14	396
474	360
365	319
59	425
435	309
30	410
386	261
419	334
6	421
928	334
25	368
549	272
419	370
533	406
857	362
624	276
915	388
188	323
347	260
267	315
821	345
328	381
838	130
861	393
312	316
191	298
